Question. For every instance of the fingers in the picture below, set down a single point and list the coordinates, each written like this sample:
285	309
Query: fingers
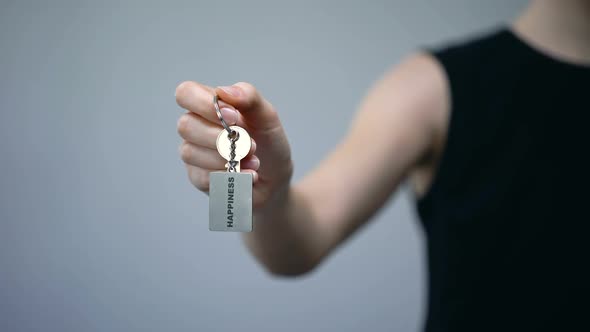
201	156
254	111
250	163
211	159
199	177
200	126
198	98
194	129
254	174
257	112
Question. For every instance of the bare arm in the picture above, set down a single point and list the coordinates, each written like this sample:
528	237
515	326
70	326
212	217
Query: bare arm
393	132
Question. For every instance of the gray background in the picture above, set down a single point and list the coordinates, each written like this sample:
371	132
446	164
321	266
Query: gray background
100	229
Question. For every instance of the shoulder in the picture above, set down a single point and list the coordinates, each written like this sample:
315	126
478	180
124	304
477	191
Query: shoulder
403	109
425	77
483	43
414	96
465	58
415	88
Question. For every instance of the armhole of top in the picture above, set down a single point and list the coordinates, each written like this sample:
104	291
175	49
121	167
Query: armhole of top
458	61
425	202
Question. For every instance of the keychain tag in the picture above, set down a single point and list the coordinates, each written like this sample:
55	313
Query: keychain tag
230	192
230	201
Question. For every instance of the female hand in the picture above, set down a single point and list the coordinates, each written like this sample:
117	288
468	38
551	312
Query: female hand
269	159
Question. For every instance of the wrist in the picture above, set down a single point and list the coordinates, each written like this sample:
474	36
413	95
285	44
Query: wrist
278	196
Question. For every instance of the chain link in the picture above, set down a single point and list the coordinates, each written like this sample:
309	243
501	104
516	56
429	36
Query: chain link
233	137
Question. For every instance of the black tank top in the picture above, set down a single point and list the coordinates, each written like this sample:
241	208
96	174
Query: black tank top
507	216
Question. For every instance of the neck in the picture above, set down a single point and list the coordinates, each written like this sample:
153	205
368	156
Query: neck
560	28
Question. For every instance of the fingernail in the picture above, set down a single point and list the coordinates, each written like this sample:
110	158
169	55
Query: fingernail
231	90
229	115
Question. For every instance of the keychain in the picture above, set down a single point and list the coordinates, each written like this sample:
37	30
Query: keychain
230	192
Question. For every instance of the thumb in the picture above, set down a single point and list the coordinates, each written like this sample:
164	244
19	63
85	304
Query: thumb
258	113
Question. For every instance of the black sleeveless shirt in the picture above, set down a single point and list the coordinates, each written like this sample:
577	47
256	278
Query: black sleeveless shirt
507	216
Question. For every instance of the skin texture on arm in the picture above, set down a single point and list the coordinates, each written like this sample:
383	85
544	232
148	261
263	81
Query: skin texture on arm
396	131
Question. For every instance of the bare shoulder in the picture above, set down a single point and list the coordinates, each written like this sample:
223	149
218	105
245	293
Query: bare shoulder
416	86
411	97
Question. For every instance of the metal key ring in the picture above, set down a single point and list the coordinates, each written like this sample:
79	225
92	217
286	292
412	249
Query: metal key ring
218	111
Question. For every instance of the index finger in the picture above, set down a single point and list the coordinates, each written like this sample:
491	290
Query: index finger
198	98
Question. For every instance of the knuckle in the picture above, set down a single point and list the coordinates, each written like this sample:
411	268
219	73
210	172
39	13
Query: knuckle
186	153
183	125
272	111
252	96
246	86
182	90
202	181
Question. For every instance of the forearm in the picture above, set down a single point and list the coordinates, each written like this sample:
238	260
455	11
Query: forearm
285	238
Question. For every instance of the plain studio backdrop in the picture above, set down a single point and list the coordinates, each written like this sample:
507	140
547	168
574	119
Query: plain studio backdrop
100	229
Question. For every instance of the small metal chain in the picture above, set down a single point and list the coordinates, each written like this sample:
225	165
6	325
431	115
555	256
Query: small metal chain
233	137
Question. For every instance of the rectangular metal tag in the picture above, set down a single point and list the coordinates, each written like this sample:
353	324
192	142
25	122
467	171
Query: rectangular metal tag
230	201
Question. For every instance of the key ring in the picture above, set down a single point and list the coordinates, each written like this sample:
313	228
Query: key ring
231	134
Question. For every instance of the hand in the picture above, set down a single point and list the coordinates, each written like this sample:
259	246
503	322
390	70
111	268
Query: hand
269	159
